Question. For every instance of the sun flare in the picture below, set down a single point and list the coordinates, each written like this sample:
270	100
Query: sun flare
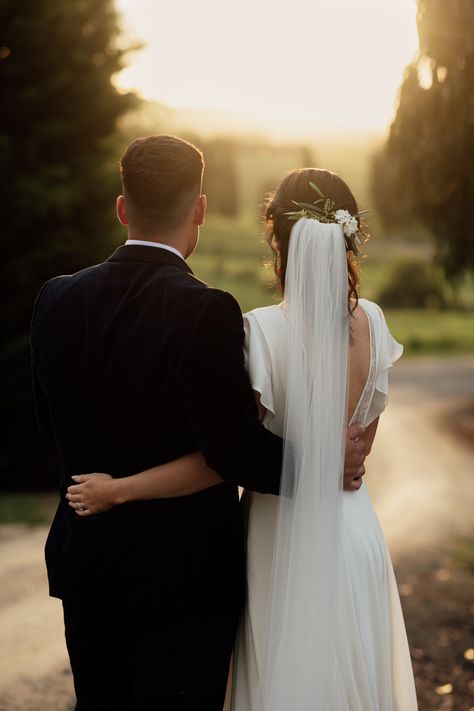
294	68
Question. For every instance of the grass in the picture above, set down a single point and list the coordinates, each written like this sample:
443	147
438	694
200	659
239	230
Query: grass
30	509
231	256
430	332
464	554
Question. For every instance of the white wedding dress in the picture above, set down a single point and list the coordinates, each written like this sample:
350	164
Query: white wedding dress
378	674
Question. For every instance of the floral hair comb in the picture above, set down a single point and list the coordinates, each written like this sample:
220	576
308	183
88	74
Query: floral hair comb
323	210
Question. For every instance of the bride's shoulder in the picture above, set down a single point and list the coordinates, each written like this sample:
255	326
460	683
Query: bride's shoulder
372	309
264	324
387	343
264	314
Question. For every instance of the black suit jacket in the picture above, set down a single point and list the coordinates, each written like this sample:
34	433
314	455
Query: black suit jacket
135	363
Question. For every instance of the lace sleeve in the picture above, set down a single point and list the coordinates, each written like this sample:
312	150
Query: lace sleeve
258	361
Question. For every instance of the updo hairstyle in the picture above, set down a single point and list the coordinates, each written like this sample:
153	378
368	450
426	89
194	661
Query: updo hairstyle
295	187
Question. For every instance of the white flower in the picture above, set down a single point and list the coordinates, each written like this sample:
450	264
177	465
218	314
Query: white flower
351	227
342	216
348	222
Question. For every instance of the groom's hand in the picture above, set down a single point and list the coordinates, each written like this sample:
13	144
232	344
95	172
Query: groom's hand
356	450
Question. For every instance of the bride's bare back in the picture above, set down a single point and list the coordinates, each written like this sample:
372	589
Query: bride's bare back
359	358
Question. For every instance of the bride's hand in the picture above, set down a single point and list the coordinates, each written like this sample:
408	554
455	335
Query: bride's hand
356	450
93	493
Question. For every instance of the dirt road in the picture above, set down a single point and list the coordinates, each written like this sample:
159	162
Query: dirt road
421	478
420	473
34	672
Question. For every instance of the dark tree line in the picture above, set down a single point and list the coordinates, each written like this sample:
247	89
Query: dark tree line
59	150
220	154
426	171
58	181
220	176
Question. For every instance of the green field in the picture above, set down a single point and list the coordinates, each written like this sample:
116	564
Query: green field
232	255
30	509
432	332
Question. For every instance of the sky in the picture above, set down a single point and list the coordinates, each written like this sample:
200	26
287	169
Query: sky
293	68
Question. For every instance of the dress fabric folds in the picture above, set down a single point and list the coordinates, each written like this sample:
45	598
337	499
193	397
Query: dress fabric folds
372	655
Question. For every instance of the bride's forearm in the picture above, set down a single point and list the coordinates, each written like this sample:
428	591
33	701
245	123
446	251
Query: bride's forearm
181	477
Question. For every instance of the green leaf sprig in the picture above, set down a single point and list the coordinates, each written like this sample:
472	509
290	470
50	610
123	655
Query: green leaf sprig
323	210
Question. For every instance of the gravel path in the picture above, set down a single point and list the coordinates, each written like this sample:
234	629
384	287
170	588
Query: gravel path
421	477
421	472
34	670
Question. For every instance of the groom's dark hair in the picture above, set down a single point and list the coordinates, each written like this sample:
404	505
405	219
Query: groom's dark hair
161	179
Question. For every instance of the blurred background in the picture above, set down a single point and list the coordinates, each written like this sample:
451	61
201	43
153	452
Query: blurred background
380	91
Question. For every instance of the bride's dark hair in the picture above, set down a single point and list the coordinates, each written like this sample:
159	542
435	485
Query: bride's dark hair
296	187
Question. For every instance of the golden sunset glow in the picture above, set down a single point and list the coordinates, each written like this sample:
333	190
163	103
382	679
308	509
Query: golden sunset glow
292	68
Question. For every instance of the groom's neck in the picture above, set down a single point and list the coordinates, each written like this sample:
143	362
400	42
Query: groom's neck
179	240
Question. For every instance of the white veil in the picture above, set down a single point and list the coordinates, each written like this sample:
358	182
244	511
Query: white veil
300	667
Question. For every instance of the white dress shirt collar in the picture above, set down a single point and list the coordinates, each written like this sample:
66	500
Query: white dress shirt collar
145	243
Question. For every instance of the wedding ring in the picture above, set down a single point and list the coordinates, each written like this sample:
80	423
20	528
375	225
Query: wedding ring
82	507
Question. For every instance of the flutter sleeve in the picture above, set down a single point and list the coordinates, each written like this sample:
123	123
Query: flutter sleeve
258	361
388	351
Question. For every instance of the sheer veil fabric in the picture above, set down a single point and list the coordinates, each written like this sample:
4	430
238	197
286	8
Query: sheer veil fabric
304	620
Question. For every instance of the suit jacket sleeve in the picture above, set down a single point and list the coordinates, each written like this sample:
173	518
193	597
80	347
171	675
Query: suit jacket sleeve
220	403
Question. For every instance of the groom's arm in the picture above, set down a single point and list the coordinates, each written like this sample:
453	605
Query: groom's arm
220	403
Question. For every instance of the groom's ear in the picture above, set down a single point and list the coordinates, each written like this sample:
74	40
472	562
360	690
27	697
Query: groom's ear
121	210
200	210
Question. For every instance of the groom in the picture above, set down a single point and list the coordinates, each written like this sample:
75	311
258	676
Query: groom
136	362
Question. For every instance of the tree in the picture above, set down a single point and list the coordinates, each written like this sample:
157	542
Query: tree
58	179
220	176
426	171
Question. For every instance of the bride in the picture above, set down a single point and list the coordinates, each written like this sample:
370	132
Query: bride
323	628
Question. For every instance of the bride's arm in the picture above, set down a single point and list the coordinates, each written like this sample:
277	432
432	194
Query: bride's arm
99	492
261	409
